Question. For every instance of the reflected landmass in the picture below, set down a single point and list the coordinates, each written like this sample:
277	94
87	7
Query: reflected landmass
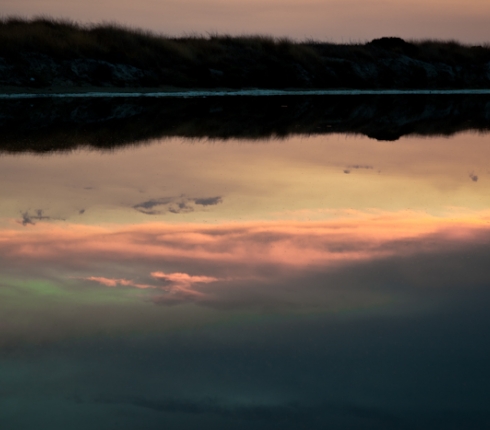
44	125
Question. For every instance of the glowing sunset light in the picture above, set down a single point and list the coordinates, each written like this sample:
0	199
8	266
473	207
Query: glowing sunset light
240	247
335	20
183	279
108	282
359	260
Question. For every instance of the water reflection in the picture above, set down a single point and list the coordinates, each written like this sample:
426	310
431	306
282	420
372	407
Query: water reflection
301	178
46	125
355	261
326	279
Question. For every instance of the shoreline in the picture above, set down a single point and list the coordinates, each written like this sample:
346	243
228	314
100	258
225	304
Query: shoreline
137	93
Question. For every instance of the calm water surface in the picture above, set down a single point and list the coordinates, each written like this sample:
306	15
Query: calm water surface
310	282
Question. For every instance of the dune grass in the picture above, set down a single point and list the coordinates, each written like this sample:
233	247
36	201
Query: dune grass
65	39
223	60
68	39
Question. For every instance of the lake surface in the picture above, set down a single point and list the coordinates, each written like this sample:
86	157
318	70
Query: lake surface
308	280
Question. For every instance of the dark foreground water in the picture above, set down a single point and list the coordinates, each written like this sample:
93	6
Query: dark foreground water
323	281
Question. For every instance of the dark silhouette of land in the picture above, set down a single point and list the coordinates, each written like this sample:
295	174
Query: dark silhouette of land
47	56
44	54
47	124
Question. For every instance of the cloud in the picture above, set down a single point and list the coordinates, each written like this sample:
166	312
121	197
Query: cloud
183	279
112	282
27	218
361	236
354	260
348	169
148	206
356	265
180	207
178	285
175	205
209	201
360	166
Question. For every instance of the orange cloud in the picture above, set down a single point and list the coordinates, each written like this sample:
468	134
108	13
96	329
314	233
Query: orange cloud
111	282
183	279
356	259
287	243
178	286
181	286
254	251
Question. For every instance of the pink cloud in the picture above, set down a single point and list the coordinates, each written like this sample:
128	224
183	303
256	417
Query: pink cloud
180	284
183	278
237	250
111	282
275	263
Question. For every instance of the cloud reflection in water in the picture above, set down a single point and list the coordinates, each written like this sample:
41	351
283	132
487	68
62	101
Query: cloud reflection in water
304	264
271	306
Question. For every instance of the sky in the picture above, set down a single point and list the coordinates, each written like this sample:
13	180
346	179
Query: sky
326	20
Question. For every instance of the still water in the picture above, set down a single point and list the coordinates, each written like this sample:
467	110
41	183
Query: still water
321	281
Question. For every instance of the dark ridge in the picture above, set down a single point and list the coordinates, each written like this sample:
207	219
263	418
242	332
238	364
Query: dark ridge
44	53
44	125
395	45
390	43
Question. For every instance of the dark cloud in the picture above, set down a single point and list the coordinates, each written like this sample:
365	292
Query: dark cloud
360	166
27	218
417	273
348	169
150	204
210	201
175	205
184	206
